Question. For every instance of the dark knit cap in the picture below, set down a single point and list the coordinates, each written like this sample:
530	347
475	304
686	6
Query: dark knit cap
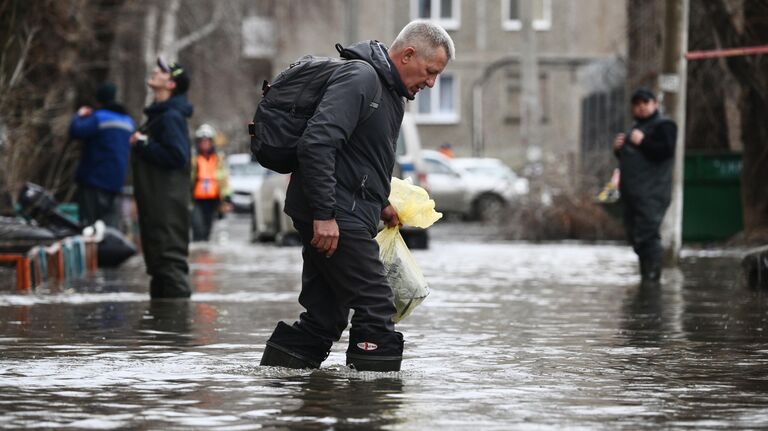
106	93
643	94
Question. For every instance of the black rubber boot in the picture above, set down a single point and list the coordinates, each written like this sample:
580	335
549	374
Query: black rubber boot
291	347
165	287
650	272
277	356
379	352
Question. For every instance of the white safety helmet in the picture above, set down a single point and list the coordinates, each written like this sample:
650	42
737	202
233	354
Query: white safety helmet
205	131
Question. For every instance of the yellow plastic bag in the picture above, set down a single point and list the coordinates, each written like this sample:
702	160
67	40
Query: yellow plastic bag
414	208
413	205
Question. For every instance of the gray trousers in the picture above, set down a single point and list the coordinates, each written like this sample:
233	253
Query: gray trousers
162	199
97	204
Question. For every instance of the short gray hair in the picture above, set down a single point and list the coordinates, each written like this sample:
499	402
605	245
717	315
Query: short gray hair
421	34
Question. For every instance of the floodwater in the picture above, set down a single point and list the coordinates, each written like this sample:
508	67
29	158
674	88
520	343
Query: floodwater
513	336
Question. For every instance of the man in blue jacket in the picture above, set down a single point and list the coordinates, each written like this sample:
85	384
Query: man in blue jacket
161	179
104	160
339	193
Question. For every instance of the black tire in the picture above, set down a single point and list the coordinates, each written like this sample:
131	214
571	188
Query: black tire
490	208
284	239
255	234
288	239
415	239
276	221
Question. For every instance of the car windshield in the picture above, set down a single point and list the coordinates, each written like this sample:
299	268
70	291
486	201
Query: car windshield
436	167
245	169
489	170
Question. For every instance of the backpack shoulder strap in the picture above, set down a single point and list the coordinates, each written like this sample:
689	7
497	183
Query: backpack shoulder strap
374	105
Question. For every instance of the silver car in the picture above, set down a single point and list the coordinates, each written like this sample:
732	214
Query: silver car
245	178
474	188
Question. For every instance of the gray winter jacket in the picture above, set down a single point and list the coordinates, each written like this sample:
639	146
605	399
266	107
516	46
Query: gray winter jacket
345	164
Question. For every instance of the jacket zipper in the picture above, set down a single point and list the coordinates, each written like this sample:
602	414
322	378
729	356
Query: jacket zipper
362	192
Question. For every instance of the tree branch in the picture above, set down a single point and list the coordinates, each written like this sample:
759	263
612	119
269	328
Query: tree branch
19	70
150	52
201	32
168	35
727	36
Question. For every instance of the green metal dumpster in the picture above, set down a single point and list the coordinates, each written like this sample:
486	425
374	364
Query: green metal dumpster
712	196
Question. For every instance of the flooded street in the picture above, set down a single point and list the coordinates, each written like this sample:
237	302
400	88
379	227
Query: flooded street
513	336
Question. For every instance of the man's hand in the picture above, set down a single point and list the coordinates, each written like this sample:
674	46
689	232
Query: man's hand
325	236
389	216
84	111
618	142
137	136
636	137
225	207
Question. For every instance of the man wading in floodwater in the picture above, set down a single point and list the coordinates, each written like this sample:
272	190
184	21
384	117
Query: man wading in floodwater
646	156
338	194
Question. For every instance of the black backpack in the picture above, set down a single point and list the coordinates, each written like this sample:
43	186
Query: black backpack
287	105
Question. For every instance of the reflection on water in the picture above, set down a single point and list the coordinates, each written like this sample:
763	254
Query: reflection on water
331	399
513	336
167	322
652	314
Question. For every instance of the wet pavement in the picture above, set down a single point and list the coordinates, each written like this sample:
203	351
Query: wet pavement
513	336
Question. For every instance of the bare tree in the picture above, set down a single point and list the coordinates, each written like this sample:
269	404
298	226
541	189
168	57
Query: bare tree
748	26
48	62
168	44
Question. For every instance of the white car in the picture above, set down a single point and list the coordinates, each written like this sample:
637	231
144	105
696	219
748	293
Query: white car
270	223
245	179
475	188
494	174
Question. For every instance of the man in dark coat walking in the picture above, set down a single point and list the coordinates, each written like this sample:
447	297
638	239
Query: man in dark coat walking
161	179
646	158
339	193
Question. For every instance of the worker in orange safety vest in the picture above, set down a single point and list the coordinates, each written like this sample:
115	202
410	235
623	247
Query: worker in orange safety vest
210	188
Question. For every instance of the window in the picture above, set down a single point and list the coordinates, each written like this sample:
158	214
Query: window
258	34
436	167
510	14
513	100
437	105
245	169
443	12
401	143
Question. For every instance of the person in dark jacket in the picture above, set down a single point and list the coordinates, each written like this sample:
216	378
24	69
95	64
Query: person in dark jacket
339	193
161	179
104	159
646	157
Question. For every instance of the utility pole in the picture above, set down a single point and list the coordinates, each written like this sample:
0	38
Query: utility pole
351	21
530	110
672	83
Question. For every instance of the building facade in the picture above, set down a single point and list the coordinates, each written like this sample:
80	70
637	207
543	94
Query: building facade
578	47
